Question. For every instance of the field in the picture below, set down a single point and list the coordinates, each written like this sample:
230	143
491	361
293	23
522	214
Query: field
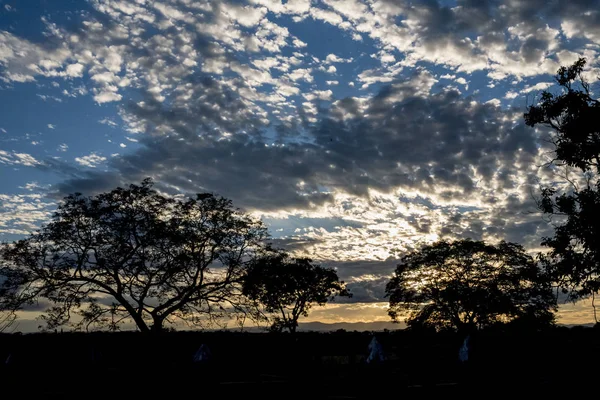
306	365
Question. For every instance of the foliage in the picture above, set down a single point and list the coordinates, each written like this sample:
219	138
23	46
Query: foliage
7	319
573	115
574	118
288	287
134	253
468	284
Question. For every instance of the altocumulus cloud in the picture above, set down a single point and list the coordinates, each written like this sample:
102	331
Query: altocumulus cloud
403	128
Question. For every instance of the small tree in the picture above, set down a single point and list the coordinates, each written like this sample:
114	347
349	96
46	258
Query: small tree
134	253
288	287
574	118
467	284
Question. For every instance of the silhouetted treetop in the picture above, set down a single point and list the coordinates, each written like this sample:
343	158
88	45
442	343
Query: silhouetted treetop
573	114
468	284
288	287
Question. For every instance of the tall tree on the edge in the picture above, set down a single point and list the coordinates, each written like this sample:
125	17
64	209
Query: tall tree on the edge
574	118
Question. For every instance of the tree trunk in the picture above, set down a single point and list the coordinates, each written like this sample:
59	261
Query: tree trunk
157	324
141	324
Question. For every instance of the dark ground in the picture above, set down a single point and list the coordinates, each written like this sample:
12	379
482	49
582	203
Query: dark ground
308	365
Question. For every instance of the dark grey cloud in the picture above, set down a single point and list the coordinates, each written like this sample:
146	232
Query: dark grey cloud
368	291
416	142
347	270
366	279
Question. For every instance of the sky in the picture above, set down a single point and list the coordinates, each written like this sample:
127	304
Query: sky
356	130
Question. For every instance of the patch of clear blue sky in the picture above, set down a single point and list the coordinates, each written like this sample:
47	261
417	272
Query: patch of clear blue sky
25	114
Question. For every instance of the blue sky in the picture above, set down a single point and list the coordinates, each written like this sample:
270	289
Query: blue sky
356	129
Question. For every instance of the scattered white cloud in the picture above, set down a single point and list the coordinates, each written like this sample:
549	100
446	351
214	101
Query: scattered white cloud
31	186
51	126
301	74
537	87
45	97
23	214
494	102
74	70
14	158
299	43
332	58
318	94
108	121
92	160
107	97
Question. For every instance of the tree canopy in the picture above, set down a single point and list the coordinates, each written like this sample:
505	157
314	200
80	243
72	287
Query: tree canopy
468	284
134	254
288	287
573	115
574	118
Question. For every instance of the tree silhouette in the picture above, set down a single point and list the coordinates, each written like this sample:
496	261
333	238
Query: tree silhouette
574	119
573	116
288	287
468	284
133	253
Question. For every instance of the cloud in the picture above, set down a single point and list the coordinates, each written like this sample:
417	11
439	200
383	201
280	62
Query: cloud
299	43
537	87
50	126
318	94
75	70
23	214
14	158
107	97
31	186
91	161
332	58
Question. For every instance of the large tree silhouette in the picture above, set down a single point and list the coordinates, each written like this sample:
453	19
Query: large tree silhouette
288	287
468	284
134	253
573	116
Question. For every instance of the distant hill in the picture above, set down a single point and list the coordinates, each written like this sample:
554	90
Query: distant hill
350	326
376	326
